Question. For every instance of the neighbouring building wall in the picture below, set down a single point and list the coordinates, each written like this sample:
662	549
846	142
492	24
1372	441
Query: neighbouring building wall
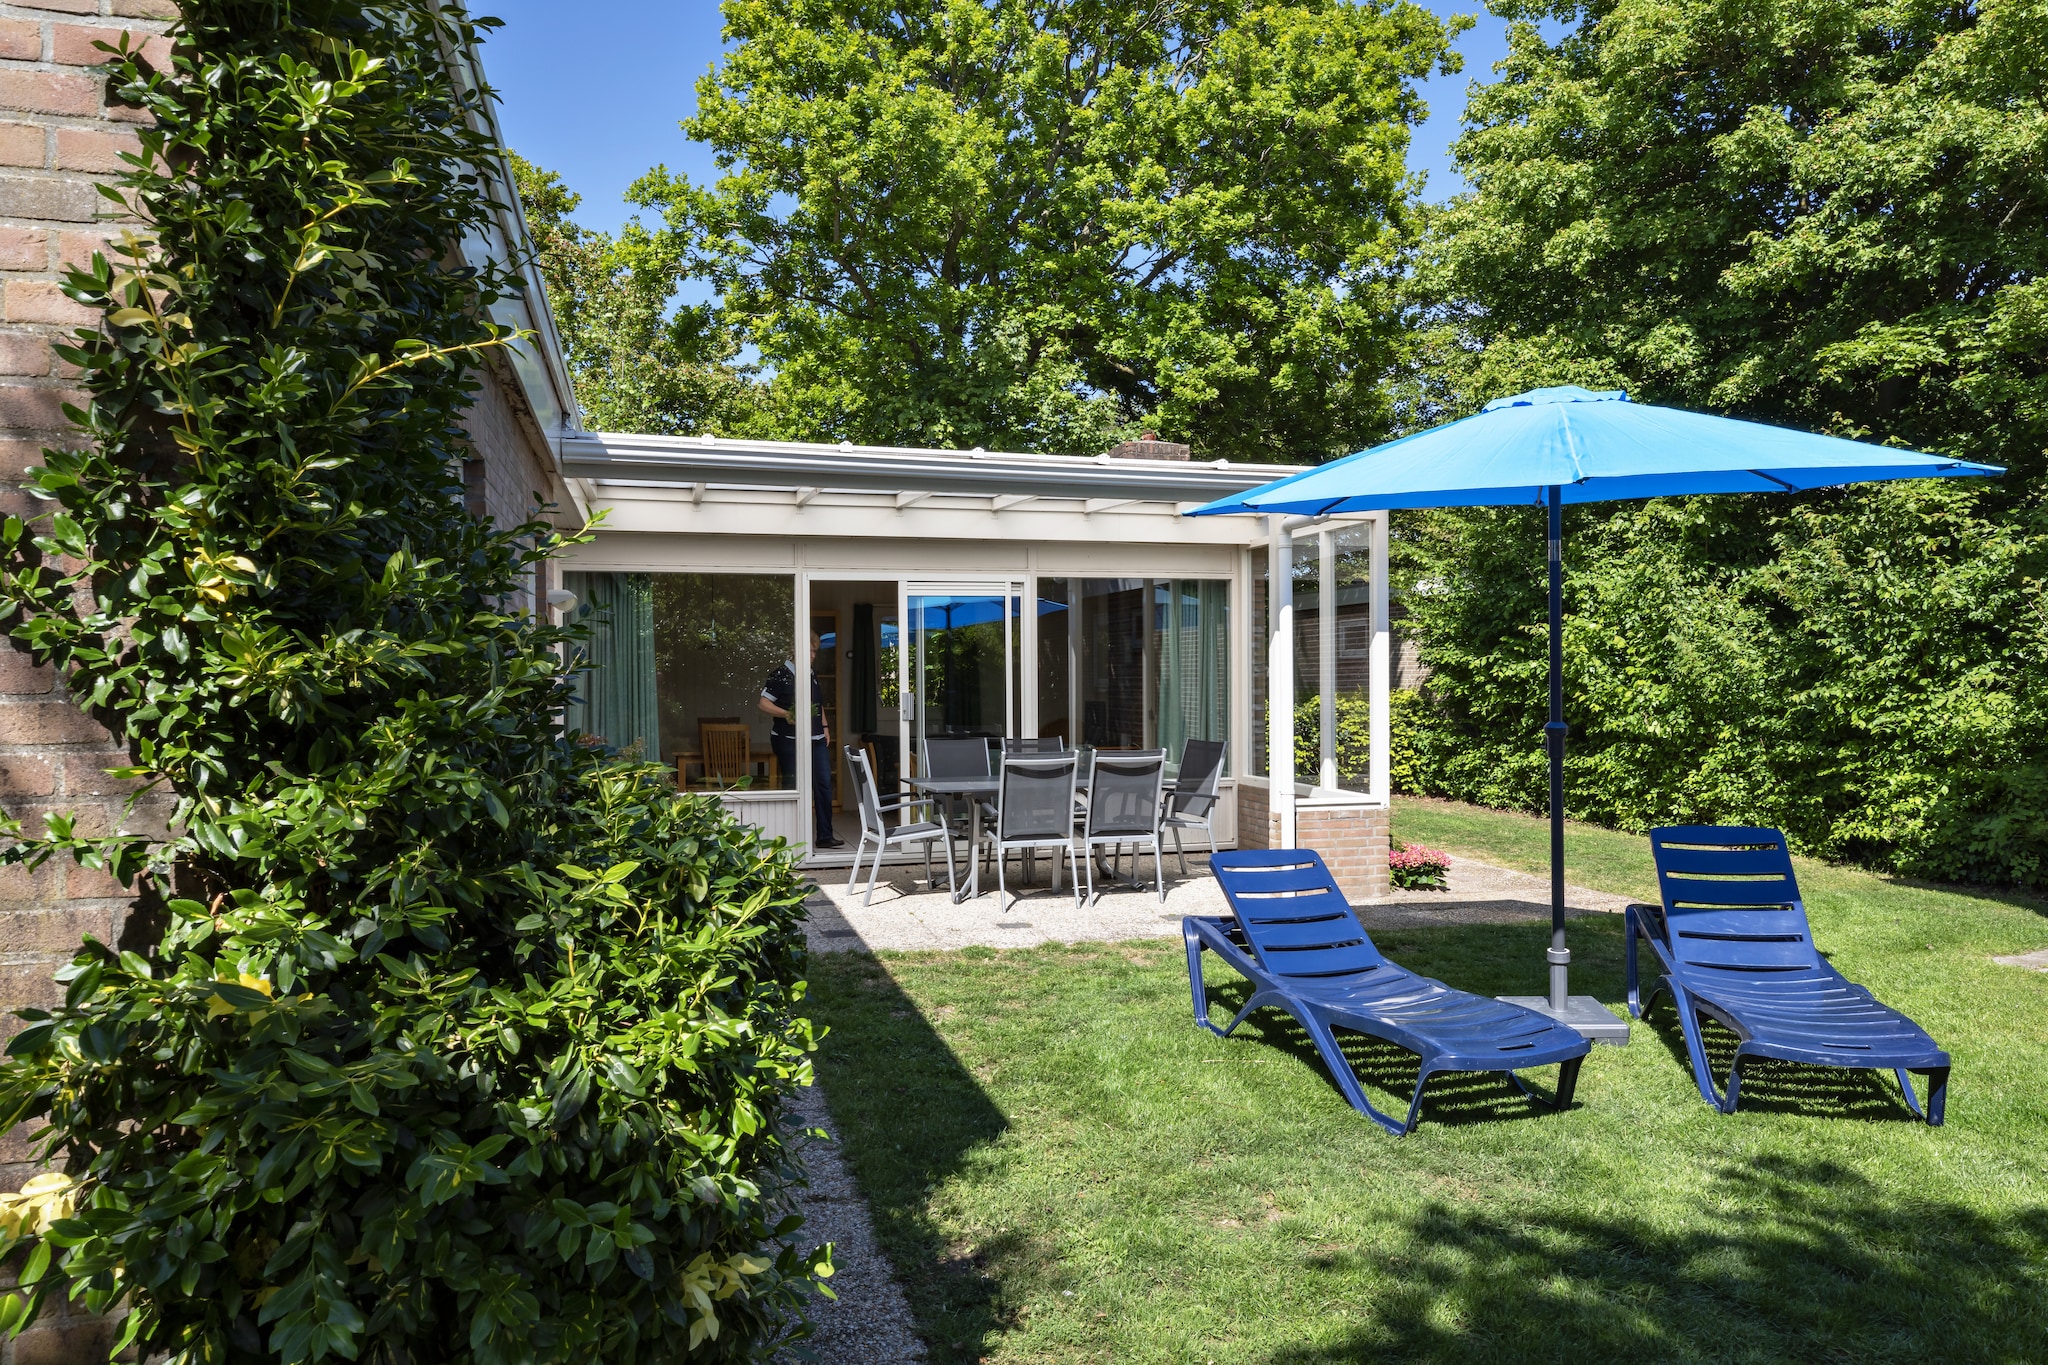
58	136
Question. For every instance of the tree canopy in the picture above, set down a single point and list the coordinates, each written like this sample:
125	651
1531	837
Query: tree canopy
1827	215
1041	225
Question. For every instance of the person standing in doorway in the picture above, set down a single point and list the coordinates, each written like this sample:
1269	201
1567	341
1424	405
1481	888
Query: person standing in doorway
778	699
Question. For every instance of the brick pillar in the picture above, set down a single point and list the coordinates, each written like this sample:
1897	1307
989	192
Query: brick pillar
1354	840
58	135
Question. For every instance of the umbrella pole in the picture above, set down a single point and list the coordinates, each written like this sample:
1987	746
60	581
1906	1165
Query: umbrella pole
1560	957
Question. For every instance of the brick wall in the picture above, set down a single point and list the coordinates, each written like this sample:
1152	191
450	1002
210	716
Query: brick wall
1354	840
57	136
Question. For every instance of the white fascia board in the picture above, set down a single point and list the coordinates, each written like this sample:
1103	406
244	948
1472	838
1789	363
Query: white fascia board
616	457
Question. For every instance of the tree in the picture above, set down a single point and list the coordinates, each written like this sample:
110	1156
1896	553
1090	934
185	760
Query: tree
1825	215
1040	225
639	360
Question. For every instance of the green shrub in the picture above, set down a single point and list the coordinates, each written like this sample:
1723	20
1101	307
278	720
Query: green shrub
454	1039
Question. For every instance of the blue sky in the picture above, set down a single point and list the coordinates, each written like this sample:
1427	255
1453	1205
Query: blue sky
594	90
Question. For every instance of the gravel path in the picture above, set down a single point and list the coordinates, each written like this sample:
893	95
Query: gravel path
869	1323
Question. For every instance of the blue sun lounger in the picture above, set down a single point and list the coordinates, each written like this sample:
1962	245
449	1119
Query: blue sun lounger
1733	945
1296	940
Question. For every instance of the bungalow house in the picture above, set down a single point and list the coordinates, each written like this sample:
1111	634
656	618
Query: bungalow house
976	593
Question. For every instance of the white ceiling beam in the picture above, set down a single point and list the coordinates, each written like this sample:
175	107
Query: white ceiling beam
1094	505
1003	502
905	499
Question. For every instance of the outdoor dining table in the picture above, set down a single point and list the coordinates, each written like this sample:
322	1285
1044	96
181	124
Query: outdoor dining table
975	790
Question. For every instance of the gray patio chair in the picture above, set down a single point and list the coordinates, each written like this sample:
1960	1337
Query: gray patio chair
957	758
1126	797
1034	810
873	827
1191	801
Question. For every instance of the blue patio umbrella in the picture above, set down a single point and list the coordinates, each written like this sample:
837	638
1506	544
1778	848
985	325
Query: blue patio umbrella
1572	445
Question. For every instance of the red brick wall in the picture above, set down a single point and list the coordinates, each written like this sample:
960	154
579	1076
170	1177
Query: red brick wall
1354	840
57	136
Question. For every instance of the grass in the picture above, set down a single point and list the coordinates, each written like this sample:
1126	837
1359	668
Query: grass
1062	1168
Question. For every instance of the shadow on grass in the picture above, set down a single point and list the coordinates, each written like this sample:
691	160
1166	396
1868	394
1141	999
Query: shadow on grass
1770	1086
891	1079
1806	1260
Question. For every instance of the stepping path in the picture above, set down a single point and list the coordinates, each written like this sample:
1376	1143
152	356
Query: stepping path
869	1323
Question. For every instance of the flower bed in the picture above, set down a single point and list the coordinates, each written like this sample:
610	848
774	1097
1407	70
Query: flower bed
1416	868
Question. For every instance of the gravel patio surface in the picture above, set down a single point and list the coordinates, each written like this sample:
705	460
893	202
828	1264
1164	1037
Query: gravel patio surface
906	916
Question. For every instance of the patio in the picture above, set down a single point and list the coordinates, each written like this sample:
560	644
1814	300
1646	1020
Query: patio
905	917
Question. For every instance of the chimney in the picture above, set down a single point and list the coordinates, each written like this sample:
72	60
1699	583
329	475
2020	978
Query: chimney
1149	447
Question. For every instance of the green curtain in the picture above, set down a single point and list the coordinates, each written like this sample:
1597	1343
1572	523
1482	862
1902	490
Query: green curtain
1194	663
615	685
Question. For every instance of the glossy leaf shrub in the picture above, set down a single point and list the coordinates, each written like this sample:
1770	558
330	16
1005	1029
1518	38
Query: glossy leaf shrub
453	1038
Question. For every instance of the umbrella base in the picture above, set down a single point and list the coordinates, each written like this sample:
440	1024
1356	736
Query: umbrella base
1582	1013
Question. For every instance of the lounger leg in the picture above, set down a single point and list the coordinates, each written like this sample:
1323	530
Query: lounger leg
1734	1084
1415	1105
1567	1083
1906	1089
1347	1079
1937	1095
1195	985
1695	1046
1629	929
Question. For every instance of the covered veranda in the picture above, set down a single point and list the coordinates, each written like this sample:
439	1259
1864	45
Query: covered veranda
975	593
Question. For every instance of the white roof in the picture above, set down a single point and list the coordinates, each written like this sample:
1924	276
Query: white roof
720	462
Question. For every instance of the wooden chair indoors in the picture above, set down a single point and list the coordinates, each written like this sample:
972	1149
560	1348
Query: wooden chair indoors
725	753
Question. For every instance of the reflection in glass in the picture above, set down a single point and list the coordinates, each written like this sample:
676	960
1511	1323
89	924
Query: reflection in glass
1055	661
718	640
959	664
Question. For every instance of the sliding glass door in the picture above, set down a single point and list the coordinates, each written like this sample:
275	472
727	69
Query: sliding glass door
962	661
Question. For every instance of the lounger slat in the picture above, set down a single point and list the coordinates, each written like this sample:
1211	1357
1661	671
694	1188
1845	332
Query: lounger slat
1316	933
1762	923
1262	882
1699	891
1291	909
1723	862
1353	957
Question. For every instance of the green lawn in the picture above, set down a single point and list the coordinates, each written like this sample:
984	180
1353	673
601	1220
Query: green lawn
1064	1168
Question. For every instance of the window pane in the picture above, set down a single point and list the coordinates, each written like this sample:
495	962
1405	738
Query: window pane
1261	646
1055	664
1354	656
1116	702
1192	624
1308	724
719	642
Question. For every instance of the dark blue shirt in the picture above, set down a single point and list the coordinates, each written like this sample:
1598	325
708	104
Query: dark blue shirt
780	688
